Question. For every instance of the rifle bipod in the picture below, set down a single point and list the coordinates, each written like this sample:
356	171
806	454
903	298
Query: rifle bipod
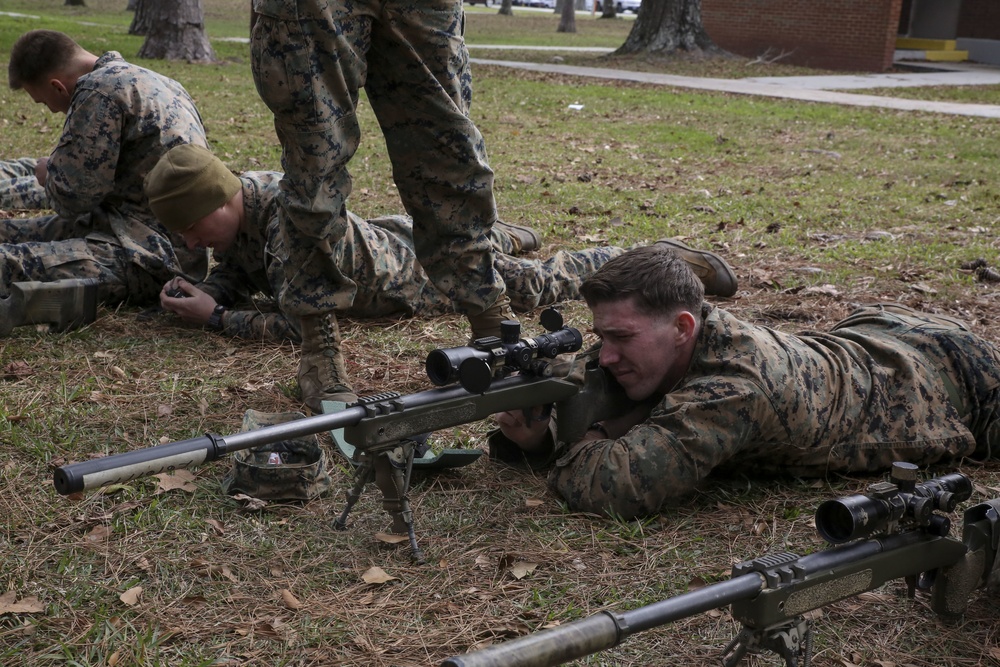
791	640
390	467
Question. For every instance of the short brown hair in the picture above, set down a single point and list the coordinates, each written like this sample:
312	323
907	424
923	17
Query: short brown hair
38	54
653	276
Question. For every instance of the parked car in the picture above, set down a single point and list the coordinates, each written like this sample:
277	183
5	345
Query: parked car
622	6
484	3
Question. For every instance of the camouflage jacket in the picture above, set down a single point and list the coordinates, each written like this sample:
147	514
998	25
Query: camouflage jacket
756	400
377	254
121	119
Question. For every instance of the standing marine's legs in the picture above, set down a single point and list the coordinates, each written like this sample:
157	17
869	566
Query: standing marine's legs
308	65
417	76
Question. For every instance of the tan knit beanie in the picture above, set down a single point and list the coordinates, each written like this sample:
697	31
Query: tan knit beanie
187	184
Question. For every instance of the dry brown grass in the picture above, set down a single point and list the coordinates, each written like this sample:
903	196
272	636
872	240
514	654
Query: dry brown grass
755	180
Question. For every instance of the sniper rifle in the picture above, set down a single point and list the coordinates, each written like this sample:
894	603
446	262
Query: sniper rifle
894	531
492	375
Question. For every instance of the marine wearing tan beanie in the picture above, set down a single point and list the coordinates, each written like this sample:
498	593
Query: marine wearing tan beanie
187	184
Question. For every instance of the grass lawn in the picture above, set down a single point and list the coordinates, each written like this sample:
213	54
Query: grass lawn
818	207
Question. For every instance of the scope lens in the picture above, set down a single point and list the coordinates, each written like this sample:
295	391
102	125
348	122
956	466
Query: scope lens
834	522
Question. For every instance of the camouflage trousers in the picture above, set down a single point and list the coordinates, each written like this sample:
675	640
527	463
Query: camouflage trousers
310	59
51	248
19	189
968	365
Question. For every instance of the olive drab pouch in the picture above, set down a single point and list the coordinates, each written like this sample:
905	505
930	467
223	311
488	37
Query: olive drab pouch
287	470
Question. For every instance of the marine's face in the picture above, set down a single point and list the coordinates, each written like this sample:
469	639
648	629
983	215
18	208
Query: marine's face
51	93
217	230
643	352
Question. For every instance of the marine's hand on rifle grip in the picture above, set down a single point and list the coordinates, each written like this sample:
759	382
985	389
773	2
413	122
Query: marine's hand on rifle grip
526	428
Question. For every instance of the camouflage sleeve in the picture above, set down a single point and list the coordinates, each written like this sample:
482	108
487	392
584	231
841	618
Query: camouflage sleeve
256	325
81	169
687	435
226	283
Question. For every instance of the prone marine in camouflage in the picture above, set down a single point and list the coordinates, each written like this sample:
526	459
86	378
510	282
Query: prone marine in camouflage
379	253
120	119
886	384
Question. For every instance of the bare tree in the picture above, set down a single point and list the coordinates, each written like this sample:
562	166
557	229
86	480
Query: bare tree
666	27
567	17
506	8
175	30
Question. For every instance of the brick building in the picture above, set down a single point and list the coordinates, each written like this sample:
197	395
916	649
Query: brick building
843	34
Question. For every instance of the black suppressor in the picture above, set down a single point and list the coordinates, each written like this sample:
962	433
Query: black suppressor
901	501
474	366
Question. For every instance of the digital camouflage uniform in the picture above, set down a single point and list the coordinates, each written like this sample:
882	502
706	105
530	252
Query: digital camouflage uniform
19	189
310	58
121	119
379	254
883	386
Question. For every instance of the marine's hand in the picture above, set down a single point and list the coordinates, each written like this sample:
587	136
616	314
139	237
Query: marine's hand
194	306
42	170
526	428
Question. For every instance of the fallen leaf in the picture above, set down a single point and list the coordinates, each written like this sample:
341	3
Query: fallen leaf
216	526
289	600
391	538
178	479
131	596
164	410
532	502
521	569
250	503
821	289
10	605
376	575
99	533
16	369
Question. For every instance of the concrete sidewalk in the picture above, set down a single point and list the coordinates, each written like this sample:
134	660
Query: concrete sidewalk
806	89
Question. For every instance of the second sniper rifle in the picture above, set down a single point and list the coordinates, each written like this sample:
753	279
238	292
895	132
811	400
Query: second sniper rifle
492	375
892	532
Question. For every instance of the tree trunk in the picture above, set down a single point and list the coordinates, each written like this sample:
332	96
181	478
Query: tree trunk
506	8
608	10
176	31
665	27
567	17
131	5
142	17
75	3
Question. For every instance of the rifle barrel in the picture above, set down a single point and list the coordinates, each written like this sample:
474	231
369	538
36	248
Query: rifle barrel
606	629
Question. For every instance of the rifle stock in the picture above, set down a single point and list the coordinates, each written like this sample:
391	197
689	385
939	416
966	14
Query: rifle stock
769	596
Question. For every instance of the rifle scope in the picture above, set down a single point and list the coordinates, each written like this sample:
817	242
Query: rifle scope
475	366
887	505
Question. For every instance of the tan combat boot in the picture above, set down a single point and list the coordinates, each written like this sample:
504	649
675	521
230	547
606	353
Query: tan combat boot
525	239
322	374
487	323
714	272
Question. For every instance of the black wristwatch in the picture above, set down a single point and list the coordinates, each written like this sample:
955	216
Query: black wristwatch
215	319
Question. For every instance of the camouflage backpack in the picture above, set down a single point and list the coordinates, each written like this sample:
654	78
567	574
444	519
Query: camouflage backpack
285	470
